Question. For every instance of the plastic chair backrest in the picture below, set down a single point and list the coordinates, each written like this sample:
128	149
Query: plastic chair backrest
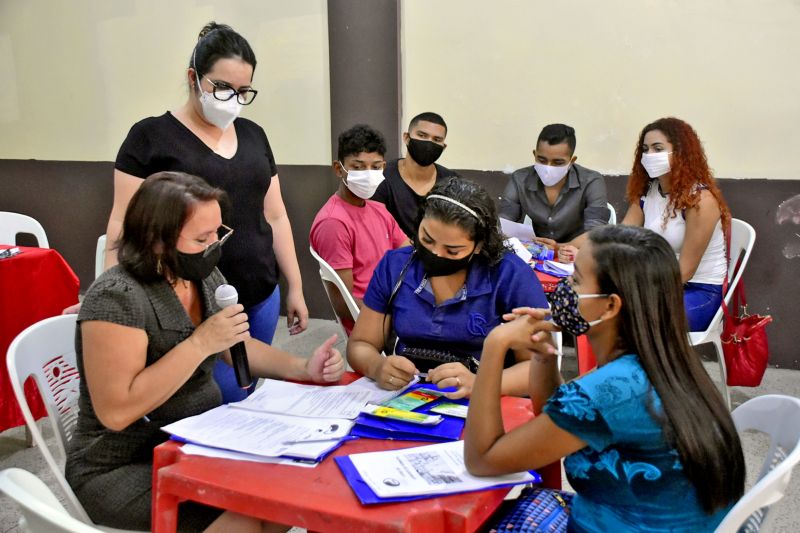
13	223
612	217
100	256
329	276
41	510
45	352
743	237
779	417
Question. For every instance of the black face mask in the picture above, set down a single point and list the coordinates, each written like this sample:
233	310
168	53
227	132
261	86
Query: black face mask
424	152
440	266
196	267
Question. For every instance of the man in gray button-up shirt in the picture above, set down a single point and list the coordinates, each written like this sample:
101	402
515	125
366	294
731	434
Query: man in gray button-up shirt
563	199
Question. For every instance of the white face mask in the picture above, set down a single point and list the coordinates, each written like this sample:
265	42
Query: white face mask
656	164
550	175
219	113
362	183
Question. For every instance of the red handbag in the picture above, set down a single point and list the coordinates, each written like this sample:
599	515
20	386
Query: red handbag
744	339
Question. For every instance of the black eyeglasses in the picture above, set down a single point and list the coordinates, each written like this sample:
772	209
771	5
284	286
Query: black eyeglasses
224	92
220	240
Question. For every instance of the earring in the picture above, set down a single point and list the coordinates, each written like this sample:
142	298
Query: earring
159	268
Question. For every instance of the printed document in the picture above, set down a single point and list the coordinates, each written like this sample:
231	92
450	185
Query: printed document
316	401
266	434
377	394
434	469
523	232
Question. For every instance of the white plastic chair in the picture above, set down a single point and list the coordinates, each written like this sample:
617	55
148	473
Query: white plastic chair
45	352
41	511
329	276
612	217
13	223
100	256
743	236
779	417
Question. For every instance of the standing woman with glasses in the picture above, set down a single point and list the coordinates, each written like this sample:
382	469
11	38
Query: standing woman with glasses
206	137
672	191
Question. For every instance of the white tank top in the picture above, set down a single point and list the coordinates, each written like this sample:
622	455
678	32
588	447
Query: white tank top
713	264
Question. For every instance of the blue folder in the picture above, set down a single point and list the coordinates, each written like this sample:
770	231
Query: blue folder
449	428
368	497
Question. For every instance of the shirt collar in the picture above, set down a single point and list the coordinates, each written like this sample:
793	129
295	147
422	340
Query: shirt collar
478	282
168	309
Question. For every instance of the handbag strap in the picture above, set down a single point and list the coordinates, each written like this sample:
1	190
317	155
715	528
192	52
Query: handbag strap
738	300
725	311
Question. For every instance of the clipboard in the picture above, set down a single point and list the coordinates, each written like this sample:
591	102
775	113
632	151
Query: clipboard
368	497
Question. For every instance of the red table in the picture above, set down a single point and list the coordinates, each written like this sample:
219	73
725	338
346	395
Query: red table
34	285
319	499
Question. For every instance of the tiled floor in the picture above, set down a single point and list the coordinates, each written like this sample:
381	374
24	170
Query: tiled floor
13	452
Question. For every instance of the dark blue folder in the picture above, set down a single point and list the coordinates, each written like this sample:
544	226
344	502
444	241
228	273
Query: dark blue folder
449	428
368	497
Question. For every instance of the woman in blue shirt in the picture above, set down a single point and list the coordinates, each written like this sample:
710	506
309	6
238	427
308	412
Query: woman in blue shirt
647	442
446	292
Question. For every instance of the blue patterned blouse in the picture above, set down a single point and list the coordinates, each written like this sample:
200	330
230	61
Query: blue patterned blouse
628	478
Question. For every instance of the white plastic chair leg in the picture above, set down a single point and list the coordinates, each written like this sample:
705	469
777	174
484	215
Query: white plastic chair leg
559	340
723	373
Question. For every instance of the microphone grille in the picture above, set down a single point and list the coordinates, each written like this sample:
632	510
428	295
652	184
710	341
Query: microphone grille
226	295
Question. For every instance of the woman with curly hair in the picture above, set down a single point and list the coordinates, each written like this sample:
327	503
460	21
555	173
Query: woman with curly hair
671	191
446	292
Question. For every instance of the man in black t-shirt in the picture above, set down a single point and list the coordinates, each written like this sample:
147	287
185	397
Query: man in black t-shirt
408	180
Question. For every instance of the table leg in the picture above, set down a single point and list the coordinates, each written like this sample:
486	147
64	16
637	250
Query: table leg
164	514
586	358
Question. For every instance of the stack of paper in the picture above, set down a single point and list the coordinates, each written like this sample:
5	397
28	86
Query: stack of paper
281	422
262	434
416	473
554	268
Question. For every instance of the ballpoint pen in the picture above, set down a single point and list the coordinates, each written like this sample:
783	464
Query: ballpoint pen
312	441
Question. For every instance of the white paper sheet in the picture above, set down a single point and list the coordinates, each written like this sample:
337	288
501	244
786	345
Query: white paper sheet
519	249
205	451
377	394
264	434
564	269
434	469
523	232
315	401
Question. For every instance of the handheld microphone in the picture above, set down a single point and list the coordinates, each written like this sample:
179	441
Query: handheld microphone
226	295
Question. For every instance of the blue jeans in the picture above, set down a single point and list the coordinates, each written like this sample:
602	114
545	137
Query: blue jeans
263	319
701	301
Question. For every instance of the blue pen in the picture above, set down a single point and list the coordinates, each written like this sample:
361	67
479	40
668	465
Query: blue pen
312	441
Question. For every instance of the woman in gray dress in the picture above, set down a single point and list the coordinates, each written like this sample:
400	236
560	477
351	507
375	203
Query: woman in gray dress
148	334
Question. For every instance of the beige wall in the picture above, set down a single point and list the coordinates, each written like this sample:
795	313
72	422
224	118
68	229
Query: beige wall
76	75
498	71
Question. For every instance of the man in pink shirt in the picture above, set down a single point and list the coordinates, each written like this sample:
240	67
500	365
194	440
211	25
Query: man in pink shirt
351	233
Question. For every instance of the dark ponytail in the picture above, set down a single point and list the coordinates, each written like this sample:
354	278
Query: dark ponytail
219	41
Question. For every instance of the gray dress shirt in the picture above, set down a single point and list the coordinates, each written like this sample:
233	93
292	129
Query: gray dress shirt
580	206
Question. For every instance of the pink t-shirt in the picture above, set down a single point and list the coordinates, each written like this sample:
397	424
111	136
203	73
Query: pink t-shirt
352	237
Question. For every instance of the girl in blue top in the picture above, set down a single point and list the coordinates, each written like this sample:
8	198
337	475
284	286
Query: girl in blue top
445	293
647	442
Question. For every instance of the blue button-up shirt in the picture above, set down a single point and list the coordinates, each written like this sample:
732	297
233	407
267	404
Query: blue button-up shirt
463	322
